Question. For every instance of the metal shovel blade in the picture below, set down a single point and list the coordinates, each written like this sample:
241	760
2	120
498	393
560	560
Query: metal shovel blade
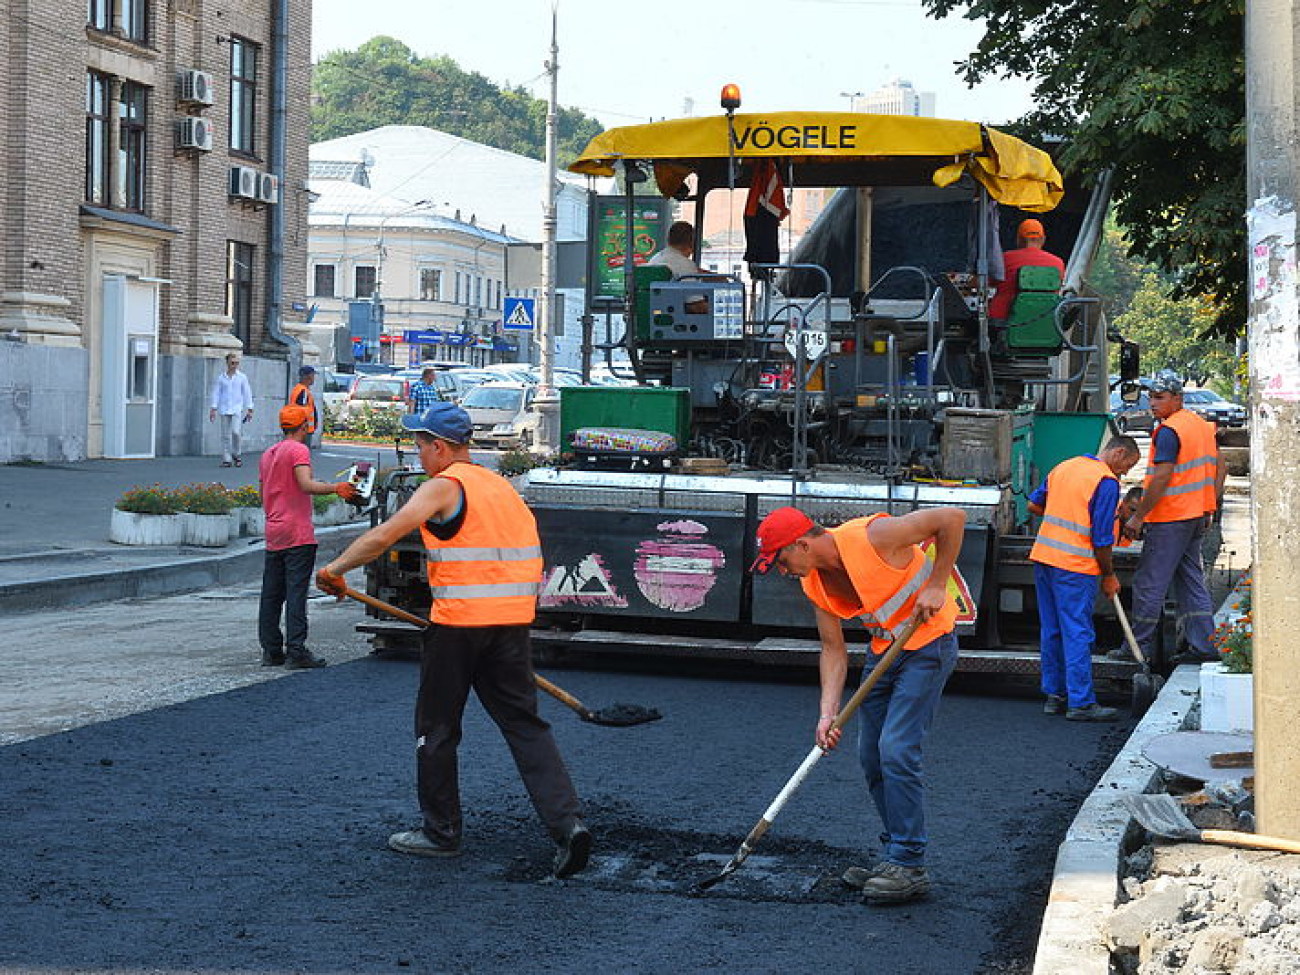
1161	815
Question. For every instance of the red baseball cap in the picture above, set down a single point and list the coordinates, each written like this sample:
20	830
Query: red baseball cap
779	529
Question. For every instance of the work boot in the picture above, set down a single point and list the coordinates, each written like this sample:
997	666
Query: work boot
1093	712
1121	652
894	884
1054	704
270	659
303	661
574	849
417	843
857	877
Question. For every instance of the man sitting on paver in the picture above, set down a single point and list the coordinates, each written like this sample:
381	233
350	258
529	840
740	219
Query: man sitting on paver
1072	553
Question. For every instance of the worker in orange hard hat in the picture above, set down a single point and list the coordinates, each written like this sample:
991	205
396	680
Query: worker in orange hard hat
1029	252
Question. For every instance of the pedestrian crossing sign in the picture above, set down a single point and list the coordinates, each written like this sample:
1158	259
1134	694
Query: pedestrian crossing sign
520	313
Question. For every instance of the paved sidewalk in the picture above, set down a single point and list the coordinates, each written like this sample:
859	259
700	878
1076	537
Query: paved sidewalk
54	518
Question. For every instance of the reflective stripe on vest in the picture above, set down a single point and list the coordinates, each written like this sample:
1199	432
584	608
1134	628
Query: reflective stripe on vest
891	590
490	591
1191	490
484	554
1065	535
489	573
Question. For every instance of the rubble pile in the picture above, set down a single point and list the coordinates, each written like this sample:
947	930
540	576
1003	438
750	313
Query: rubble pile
1196	909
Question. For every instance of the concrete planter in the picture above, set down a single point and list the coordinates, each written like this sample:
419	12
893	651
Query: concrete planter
206	531
133	528
254	522
339	513
1227	700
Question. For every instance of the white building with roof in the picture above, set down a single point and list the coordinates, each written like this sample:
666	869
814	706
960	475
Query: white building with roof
897	97
439	281
411	177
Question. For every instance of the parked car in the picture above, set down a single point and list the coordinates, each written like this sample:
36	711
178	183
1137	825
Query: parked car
518	372
1135	417
453	384
1209	405
502	414
561	377
333	387
375	392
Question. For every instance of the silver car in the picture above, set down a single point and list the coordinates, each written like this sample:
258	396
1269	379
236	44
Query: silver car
502	414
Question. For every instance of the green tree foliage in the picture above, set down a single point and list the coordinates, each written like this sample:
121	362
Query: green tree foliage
1155	89
384	82
1172	333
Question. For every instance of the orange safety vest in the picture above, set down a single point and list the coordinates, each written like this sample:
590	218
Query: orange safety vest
1065	536
1191	488
886	595
301	395
1120	540
490	572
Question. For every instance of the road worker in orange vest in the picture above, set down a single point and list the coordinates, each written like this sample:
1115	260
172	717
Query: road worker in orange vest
1127	509
484	562
1071	556
874	569
1183	490
301	395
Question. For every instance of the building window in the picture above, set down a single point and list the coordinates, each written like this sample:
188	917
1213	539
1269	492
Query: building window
239	289
131	155
97	138
99	14
134	22
324	281
364	280
243	95
430	284
456	300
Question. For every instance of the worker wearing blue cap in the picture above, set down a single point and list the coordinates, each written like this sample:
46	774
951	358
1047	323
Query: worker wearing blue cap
484	561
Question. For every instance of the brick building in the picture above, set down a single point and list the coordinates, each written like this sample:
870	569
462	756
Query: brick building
137	216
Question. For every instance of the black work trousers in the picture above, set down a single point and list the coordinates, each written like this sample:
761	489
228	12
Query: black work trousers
286	574
496	661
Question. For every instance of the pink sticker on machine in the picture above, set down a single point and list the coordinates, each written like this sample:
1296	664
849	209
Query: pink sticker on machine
677	569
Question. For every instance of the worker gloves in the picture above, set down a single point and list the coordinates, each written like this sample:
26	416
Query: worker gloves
346	490
327	581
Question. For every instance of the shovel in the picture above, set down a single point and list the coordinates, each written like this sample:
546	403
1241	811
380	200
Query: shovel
1145	684
616	716
1162	815
763	825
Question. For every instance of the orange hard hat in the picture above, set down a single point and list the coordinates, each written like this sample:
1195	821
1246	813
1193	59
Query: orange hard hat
1030	229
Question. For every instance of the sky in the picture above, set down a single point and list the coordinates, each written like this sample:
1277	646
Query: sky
627	63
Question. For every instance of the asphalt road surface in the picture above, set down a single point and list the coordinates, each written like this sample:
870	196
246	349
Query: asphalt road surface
168	806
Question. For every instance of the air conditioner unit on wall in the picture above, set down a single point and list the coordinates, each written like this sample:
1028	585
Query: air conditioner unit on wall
194	132
243	182
195	87
268	188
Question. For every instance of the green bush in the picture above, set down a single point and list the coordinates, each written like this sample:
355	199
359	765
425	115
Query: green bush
151	500
205	499
320	503
514	462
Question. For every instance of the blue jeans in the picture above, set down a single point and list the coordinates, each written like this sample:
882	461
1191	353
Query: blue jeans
1171	555
286	575
896	717
1066	634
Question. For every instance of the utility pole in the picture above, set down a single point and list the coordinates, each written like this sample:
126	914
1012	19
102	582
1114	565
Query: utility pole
1272	175
548	402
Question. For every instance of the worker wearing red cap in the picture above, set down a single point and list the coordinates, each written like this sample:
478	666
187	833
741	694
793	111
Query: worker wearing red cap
875	569
1029	252
287	486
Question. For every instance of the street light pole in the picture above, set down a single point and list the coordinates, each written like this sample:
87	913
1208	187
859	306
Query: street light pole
548	403
376	297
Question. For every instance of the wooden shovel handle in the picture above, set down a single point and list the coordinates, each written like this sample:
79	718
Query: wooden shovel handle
1249	841
883	663
388	608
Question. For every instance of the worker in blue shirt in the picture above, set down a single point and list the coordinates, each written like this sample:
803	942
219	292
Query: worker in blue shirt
1072	556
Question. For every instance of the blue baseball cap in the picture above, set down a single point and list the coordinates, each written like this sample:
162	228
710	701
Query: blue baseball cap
444	420
1166	381
307	371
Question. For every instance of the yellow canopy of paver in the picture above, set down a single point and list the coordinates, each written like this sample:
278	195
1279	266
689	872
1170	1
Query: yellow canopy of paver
837	149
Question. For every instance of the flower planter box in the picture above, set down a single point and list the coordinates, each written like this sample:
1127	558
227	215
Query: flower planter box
133	528
206	531
254	522
1227	700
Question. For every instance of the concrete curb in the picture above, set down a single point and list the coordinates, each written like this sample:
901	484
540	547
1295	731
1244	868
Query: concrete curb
177	575
1085	882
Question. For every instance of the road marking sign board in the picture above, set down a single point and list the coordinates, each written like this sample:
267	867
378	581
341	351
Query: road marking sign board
520	313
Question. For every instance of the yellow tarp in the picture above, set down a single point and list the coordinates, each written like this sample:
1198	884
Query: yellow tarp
1014	172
